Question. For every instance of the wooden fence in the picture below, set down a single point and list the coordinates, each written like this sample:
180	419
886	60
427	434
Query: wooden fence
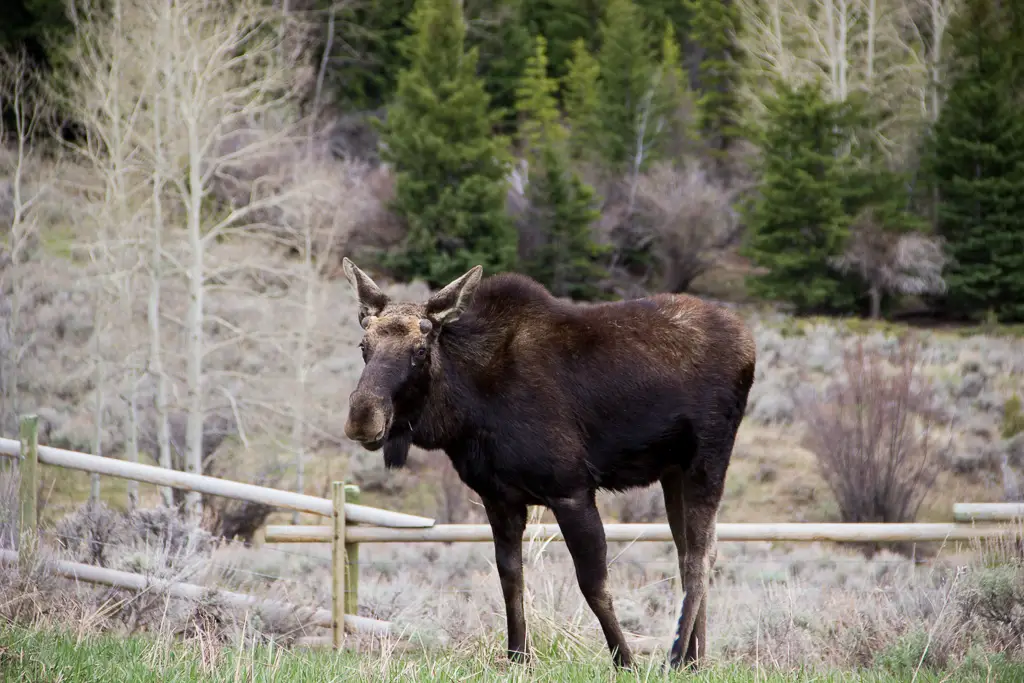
343	615
345	534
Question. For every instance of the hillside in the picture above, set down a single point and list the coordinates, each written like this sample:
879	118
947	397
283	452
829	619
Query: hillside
773	477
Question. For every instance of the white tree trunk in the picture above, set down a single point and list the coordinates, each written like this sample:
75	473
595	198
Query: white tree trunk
98	402
194	327
156	366
299	423
132	454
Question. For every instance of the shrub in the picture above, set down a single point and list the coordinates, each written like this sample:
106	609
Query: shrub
1013	417
874	434
992	599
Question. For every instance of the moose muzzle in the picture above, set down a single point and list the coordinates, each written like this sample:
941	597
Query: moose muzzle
368	419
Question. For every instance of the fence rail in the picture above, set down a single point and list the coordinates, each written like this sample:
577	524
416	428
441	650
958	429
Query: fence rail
343	607
199	483
90	573
988	512
386	526
798	531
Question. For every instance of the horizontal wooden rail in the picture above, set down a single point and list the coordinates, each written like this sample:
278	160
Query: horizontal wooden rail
214	486
137	582
988	512
798	531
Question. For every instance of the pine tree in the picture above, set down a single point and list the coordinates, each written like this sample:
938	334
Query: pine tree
626	63
976	164
714	29
569	262
562	206
450	167
504	45
375	32
562	23
670	131
582	104
537	106
661	12
798	221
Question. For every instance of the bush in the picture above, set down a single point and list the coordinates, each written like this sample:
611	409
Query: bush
874	434
992	600
1013	417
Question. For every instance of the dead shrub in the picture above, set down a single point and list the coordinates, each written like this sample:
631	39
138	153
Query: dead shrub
687	220
153	541
640	506
875	432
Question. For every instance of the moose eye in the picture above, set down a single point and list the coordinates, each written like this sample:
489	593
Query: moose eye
419	353
362	349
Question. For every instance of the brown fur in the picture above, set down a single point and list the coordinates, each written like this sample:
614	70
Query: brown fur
539	401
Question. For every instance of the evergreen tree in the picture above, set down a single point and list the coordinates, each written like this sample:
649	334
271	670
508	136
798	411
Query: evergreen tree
450	167
562	23
367	50
504	44
798	221
537	106
569	262
714	29
582	104
661	12
626	63
670	132
562	206
976	164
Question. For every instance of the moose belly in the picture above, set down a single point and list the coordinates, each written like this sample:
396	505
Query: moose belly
537	466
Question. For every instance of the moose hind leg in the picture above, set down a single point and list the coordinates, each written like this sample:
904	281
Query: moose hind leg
583	531
692	509
508	522
675	511
700	541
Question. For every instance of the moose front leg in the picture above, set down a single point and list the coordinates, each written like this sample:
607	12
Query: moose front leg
508	522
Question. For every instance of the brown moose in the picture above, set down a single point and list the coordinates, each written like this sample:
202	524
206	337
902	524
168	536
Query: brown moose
539	401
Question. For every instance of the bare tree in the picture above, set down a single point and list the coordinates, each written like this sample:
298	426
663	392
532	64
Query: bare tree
688	218
19	203
198	96
852	46
906	263
927	22
876	432
155	262
101	87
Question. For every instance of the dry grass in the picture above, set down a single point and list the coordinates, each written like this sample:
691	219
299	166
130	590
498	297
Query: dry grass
813	607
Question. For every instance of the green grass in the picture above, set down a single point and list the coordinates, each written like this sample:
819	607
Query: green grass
36	656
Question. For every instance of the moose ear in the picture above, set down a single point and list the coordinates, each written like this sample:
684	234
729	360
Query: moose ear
371	300
449	303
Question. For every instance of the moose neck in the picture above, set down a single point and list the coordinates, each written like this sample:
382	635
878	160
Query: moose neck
466	352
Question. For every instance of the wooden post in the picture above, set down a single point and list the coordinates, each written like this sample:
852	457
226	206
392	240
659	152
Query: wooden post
338	565
28	469
351	560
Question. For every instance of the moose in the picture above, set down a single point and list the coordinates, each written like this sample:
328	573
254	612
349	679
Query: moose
542	401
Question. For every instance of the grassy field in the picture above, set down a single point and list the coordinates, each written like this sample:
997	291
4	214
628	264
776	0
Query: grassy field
30	656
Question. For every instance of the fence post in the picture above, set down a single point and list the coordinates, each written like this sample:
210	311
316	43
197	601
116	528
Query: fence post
338	565
28	470
351	561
